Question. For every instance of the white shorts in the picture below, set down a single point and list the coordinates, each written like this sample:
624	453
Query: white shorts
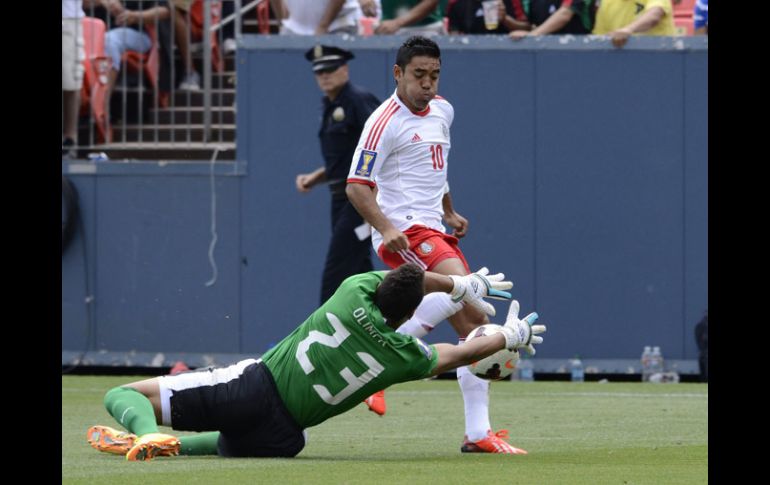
72	55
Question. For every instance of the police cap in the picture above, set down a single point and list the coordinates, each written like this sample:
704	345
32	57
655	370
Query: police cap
326	57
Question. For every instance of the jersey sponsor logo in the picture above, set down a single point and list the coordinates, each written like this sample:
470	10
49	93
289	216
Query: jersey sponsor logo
416	138
425	248
445	130
424	348
365	163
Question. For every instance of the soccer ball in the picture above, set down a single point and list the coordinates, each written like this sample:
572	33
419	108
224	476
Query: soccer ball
497	366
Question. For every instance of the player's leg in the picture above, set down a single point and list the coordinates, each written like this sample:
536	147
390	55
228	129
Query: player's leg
445	257
479	437
475	391
136	407
433	309
427	247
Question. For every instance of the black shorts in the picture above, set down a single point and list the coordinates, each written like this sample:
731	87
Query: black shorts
242	403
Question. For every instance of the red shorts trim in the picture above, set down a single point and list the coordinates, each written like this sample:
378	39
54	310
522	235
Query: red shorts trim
426	246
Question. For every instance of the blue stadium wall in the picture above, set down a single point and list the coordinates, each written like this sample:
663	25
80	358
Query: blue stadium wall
583	171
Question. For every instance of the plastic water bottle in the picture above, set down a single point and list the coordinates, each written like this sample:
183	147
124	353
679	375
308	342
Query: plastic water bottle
576	370
646	355
656	361
526	369
98	157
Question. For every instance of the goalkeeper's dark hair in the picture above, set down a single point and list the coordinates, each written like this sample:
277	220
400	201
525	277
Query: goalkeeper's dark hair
400	292
416	46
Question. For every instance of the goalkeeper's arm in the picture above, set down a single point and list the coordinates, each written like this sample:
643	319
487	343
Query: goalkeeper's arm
453	356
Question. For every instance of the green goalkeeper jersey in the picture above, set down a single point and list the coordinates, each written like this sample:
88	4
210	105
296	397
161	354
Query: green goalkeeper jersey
343	353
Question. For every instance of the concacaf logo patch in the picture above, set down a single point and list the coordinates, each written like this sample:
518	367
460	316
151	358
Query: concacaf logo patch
365	163
424	348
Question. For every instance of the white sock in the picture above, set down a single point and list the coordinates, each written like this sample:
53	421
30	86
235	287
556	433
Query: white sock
433	309
476	399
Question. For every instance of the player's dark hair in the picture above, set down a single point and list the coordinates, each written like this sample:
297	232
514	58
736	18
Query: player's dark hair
416	46
400	292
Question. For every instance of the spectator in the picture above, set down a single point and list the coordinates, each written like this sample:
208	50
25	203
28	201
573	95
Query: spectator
701	17
467	17
557	17
72	55
183	36
621	19
417	17
133	19
345	110
228	30
317	17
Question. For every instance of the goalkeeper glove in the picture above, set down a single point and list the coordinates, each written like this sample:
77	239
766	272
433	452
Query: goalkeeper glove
521	333
475	286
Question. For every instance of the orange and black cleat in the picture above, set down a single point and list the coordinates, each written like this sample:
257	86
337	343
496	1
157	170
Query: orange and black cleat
150	445
110	440
493	443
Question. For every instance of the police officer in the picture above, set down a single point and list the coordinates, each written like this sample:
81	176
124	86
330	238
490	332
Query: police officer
346	108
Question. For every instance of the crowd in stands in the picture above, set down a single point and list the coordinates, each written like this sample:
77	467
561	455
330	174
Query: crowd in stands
147	28
619	19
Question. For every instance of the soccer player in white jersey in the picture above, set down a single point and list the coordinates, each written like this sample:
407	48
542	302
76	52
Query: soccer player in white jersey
403	153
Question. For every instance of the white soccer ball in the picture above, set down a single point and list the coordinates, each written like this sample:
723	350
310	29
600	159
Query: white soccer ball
497	366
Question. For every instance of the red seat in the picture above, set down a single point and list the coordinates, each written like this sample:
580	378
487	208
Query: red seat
148	64
684	7
684	25
96	67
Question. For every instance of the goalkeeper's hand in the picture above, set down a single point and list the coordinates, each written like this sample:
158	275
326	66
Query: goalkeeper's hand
521	333
474	287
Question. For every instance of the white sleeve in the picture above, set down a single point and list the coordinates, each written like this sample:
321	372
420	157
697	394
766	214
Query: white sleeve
374	146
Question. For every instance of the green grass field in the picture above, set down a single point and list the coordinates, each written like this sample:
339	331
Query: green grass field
576	433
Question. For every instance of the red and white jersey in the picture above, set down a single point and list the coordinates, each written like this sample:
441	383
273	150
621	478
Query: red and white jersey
405	155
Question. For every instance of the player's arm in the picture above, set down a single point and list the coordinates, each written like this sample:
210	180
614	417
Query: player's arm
452	218
516	334
363	199
471	289
454	356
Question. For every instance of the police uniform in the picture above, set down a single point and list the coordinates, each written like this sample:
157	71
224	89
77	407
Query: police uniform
341	125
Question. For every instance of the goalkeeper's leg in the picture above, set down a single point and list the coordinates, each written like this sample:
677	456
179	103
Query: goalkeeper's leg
138	409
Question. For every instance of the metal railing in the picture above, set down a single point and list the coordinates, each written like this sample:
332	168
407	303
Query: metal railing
152	110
